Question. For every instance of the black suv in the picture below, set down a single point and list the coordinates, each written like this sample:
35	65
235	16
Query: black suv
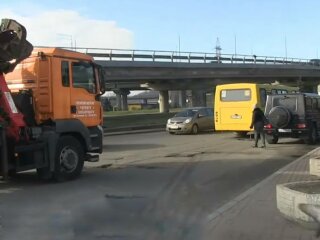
293	115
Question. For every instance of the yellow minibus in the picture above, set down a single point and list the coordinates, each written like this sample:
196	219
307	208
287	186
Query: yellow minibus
234	103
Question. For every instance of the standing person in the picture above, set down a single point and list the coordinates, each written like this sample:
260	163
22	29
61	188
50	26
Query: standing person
257	123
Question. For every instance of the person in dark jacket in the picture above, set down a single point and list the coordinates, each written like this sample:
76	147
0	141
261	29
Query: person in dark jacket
257	123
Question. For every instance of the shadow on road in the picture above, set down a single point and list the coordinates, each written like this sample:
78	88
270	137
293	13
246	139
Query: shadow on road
210	132
283	141
291	141
123	147
19	181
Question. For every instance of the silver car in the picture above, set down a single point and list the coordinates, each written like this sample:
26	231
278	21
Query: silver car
191	120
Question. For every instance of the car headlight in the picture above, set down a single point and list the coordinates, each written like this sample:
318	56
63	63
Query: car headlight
187	121
169	121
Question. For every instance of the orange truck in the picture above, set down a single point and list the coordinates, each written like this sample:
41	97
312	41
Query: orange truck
57	91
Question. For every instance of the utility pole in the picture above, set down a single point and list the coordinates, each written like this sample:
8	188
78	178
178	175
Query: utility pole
179	47
285	45
235	44
218	48
68	37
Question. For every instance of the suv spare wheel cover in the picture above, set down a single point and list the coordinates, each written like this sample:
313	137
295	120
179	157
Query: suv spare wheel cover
279	117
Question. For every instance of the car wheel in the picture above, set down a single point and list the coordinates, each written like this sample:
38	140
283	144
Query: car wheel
69	159
272	139
312	135
195	129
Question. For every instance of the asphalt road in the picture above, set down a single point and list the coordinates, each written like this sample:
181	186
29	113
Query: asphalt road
146	186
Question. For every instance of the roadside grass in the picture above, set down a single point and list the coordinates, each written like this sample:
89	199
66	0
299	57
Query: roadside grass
137	112
136	118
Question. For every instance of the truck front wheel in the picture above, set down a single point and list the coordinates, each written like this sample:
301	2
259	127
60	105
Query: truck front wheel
69	159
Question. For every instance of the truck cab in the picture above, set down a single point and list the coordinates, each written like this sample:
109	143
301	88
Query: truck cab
58	92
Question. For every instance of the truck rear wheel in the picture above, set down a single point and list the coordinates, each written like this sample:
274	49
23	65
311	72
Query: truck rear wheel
69	159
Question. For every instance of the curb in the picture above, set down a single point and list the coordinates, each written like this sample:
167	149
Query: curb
314	166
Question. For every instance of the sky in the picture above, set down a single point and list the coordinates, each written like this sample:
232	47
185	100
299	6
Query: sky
261	27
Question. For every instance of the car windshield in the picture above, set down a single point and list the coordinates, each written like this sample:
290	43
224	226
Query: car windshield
187	113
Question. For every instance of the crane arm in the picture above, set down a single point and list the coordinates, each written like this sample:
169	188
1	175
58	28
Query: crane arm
13	44
13	49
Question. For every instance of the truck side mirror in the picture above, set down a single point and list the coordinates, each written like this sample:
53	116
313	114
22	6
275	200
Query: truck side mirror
102	79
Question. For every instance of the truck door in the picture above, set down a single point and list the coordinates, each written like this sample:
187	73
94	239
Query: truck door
84	104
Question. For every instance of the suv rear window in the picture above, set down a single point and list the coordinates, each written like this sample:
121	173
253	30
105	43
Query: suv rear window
288	102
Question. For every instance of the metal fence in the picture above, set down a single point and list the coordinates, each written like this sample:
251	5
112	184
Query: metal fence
187	57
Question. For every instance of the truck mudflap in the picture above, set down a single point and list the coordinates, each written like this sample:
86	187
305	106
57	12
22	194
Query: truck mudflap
96	137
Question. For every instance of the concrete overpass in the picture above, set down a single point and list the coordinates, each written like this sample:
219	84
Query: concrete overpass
200	72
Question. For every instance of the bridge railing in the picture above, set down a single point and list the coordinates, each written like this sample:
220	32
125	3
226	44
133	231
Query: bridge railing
188	57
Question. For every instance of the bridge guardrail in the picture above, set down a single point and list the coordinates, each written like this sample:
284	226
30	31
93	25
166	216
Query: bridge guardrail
187	57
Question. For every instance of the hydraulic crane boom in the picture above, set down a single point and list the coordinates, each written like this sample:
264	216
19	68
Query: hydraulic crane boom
13	49
13	44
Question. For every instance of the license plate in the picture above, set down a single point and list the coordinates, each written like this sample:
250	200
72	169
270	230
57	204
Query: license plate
285	130
174	127
236	116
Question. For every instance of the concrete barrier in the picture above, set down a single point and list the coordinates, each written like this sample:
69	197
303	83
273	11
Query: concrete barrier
290	195
314	166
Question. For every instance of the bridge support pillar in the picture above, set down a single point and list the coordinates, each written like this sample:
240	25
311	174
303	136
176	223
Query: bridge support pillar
174	99
122	99
163	101
198	98
183	98
118	101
